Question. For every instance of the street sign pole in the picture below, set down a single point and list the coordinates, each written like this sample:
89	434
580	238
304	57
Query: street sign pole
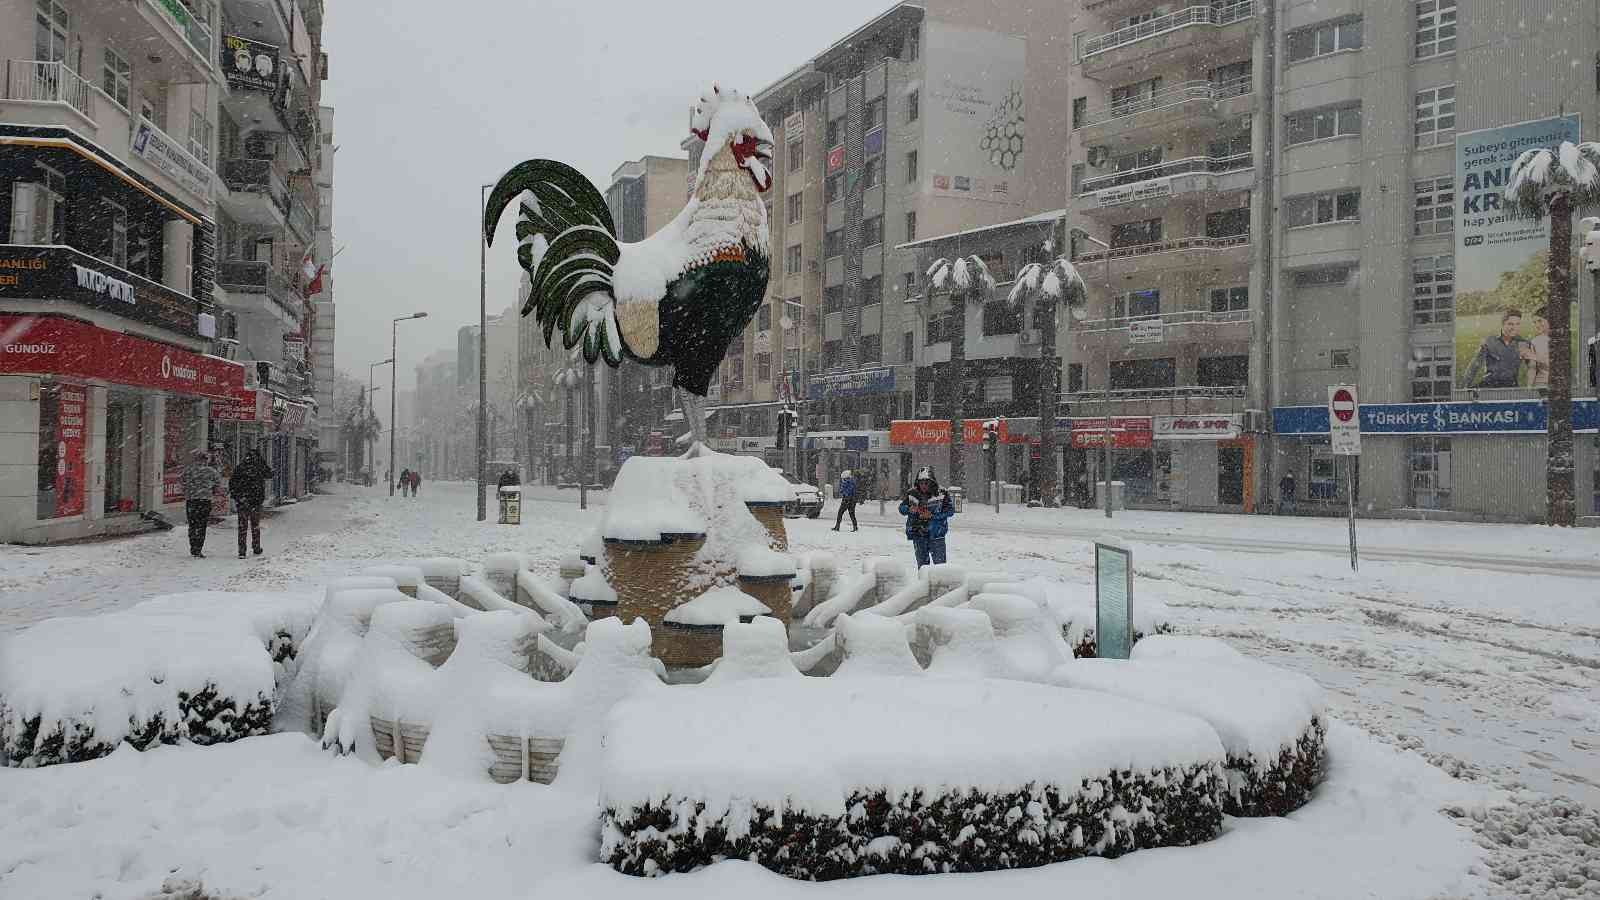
1344	433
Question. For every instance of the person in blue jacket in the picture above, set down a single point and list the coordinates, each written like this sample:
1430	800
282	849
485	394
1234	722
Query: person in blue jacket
847	501
927	509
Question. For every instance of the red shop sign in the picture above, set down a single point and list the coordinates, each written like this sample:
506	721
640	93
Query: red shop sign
246	405
47	345
1127	433
922	432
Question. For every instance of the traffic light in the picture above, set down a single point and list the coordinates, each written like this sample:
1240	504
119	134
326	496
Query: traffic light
991	435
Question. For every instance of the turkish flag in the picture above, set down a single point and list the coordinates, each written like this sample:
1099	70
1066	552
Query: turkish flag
315	287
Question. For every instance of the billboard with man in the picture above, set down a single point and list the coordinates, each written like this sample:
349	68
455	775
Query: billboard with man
1501	330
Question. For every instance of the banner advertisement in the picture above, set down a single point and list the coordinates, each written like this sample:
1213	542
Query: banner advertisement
246	405
1487	417
934	432
249	64
852	384
73	407
1153	189
1502	339
155	147
973	99
65	275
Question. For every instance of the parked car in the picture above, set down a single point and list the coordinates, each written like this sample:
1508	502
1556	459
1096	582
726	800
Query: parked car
807	499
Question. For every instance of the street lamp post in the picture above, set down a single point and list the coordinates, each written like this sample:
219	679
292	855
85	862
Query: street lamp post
372	441
394	329
483	352
371	450
1105	437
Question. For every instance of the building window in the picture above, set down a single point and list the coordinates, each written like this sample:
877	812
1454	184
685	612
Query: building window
908	346
913	106
1429	461
1238	145
835	135
767	205
1230	299
872	114
1135	304
1436	116
872	231
1074	377
1436	28
830	354
200	137
1322	209
1326	276
1434	206
833	298
793	206
1433	373
911	167
38	209
764	317
1131	98
763	366
998	389
1080	107
115	76
1323	483
936	329
872	290
909	287
911	225
1222	371
117	237
1228	223
1001	317
916	46
52	25
833	243
873	174
869	348
833	188
1143	374
1320	124
797	154
1433	290
1342	359
1134	234
735	379
791	260
1320	40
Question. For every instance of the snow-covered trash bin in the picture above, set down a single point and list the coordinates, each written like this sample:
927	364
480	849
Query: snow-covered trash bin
510	498
1272	722
818	779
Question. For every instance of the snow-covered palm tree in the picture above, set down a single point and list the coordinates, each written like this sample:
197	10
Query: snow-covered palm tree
969	281
1048	284
1555	181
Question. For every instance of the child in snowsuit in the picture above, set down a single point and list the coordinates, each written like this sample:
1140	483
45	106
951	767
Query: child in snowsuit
927	510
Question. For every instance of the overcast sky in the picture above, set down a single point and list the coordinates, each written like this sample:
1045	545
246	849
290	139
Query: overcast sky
434	99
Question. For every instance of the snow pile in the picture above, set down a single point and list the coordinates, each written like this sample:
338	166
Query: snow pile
390	683
717	607
1185	646
534	593
955	642
820	779
203	667
1028	646
1270	721
331	653
443	573
593	588
500	571
873	646
406	577
1072	604
758	649
761	561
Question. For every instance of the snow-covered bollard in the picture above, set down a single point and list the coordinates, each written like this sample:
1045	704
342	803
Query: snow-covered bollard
824	574
330	655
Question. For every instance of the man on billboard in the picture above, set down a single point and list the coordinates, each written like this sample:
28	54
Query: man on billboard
1500	356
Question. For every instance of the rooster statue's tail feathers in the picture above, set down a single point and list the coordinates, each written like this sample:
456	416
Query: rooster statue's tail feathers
567	243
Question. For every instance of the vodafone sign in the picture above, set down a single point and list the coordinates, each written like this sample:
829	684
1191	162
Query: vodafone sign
47	345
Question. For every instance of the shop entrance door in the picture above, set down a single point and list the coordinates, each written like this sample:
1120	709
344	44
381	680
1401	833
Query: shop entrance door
1230	476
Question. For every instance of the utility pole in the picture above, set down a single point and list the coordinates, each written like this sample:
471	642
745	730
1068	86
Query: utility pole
483	353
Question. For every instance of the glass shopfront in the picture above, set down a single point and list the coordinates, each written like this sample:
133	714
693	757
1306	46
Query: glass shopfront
124	452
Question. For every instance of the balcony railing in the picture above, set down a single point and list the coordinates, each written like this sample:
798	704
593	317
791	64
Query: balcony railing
259	176
254	277
1208	164
193	30
1185	392
1183	18
1185	92
39	81
300	219
1179	244
1167	320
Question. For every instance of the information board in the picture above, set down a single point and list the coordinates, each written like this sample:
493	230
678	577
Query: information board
1113	601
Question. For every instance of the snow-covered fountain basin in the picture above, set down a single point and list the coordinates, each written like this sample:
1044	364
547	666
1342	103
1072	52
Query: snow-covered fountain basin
820	778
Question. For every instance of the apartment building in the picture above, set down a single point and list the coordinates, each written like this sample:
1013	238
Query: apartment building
323	310
121	354
1270	198
911	124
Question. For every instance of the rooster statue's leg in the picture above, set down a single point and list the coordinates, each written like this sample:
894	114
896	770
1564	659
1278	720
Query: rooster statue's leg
694	412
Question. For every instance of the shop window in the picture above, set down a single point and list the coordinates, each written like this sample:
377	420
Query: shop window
1222	371
124	453
1143	374
1322	482
1428	459
63	435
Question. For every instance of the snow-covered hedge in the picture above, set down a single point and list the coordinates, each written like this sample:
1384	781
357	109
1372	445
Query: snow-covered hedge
203	667
822	778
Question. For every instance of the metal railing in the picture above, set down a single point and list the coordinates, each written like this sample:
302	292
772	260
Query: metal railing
1184	92
1186	392
1188	317
255	277
259	176
1209	164
41	81
194	31
1179	244
1183	18
300	219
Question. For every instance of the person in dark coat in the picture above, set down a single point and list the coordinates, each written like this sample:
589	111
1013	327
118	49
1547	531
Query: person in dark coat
416	482
508	478
1286	494
248	487
927	509
847	501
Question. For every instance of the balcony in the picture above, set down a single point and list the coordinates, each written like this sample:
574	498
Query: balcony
240	276
195	33
1191	105
1160	401
1176	39
1179	253
34	81
301	222
257	193
1194	176
1189	326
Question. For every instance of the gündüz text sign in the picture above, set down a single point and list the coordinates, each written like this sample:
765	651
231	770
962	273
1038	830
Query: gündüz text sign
48	345
61	274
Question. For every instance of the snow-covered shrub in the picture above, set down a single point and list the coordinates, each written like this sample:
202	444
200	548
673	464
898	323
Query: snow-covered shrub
1271	721
203	667
821	779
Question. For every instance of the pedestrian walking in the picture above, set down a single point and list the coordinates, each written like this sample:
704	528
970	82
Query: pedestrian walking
248	487
1286	497
927	509
847	501
416	482
199	481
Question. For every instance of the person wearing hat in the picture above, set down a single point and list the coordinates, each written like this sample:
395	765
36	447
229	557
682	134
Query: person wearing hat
200	480
248	486
927	509
847	501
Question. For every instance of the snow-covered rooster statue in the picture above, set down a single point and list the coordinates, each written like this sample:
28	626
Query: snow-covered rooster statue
677	298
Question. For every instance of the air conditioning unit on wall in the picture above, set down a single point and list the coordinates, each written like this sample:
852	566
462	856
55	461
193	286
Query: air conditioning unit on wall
925	409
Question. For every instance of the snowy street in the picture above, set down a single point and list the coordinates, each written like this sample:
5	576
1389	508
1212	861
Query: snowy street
1477	647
